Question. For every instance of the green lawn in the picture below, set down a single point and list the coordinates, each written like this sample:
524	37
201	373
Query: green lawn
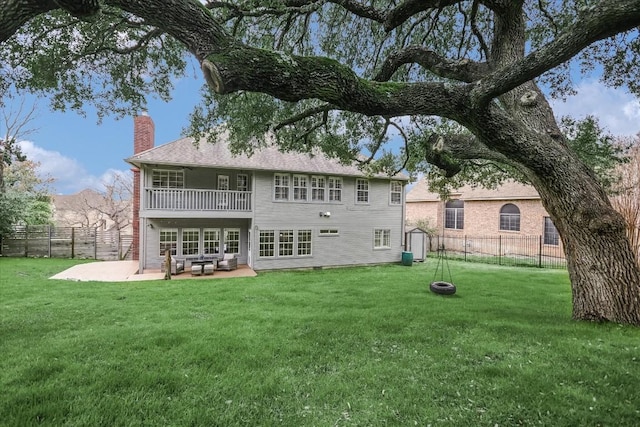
344	347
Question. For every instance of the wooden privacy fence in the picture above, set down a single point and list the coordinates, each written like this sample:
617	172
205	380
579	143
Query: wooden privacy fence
66	242
503	250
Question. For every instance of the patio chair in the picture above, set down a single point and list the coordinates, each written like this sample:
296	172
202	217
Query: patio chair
177	266
229	262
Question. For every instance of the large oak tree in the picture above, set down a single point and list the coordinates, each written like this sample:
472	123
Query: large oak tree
342	74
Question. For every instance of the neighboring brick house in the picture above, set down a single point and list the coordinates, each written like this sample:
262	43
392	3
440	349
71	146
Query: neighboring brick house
273	210
512	209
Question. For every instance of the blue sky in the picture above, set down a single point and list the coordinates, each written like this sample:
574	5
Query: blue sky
78	153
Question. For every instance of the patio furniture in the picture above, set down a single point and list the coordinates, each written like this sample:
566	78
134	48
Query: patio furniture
208	268
229	262
196	269
177	266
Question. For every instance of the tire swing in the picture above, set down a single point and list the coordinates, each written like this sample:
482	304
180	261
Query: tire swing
440	286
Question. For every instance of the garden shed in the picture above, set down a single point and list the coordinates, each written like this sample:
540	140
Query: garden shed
417	241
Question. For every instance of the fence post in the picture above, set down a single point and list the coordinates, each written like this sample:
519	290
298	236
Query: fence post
73	242
26	241
465	248
49	251
119	243
499	249
539	251
95	242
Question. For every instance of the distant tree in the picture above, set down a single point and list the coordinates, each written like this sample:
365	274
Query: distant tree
108	207
595	147
26	198
14	126
118	196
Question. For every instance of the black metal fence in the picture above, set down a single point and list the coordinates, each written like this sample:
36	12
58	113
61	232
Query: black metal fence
65	242
523	251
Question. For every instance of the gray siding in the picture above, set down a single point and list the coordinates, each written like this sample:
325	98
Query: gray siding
355	222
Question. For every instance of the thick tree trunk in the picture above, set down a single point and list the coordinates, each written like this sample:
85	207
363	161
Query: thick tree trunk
605	279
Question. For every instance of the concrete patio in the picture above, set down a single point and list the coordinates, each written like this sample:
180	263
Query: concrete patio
127	271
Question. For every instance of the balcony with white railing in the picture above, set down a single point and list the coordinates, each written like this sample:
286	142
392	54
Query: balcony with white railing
176	199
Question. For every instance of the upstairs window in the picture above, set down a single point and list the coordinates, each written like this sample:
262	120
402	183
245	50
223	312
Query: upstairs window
281	186
300	187
318	184
454	214
335	189
510	218
396	193
242	182
167	178
362	191
223	182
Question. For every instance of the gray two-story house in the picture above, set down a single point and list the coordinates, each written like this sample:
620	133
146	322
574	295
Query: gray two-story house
273	210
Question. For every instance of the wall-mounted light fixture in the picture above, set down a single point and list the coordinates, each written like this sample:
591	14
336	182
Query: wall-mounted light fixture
150	226
325	214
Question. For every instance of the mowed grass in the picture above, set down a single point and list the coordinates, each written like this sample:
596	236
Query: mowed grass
367	346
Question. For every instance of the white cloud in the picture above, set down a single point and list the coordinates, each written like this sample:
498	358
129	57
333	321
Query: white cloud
69	175
616	110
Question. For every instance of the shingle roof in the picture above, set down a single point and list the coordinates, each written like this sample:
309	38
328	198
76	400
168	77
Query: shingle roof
510	190
183	152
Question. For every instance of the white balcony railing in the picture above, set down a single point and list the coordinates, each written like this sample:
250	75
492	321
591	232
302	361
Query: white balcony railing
197	200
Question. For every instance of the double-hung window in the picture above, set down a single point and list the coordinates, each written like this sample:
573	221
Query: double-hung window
281	186
285	243
335	189
381	238
190	241
318	184
211	240
267	243
395	196
300	187
362	191
232	240
304	242
168	241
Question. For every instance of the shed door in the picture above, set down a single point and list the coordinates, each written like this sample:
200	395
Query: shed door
417	245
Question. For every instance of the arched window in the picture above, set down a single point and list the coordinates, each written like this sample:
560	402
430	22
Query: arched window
454	214
510	218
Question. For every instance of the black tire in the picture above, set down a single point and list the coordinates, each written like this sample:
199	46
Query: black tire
443	288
